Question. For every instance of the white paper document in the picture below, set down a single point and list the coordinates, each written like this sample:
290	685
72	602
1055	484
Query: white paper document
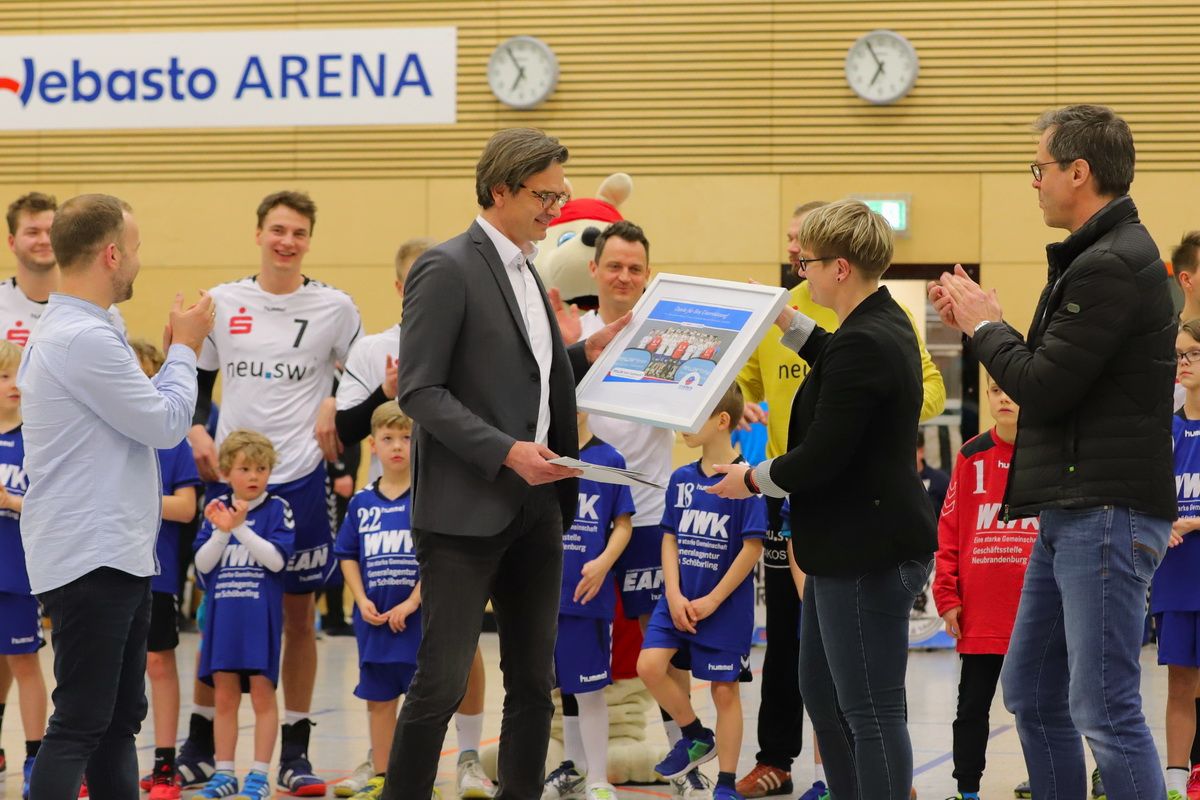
601	474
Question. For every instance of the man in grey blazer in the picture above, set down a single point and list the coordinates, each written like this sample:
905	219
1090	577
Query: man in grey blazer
485	376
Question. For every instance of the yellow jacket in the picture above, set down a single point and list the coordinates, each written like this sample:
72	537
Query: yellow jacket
775	373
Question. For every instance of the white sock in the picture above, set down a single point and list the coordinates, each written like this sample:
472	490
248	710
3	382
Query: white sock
261	766
593	729
469	728
673	732
224	766
1177	778
292	717
573	744
819	772
208	712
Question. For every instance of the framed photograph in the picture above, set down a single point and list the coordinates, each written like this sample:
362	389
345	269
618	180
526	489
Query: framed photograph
687	341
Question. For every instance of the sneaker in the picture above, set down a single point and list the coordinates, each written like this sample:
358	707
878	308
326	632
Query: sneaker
357	780
295	770
164	785
764	781
1098	792
473	782
601	791
27	772
195	763
372	789
694	785
83	790
686	755
221	784
816	792
1193	784
1175	794
1023	791
565	783
725	793
256	787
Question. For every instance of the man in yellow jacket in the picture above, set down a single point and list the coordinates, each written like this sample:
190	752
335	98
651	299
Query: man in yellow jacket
774	374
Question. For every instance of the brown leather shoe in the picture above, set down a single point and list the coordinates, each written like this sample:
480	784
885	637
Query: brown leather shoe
764	781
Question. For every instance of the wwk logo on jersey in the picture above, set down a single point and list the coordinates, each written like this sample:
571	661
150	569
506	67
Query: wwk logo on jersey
700	523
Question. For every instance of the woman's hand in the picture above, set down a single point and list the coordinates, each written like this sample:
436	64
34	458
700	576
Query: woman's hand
733	485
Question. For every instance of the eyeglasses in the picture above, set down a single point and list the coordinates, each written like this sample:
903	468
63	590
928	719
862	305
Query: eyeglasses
1036	168
549	199
1189	358
804	262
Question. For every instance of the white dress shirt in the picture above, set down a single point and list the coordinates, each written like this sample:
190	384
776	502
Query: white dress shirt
92	421
533	308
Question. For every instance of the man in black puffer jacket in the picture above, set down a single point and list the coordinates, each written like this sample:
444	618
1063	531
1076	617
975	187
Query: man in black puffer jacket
1093	458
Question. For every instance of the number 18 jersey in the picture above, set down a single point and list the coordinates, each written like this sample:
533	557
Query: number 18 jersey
276	356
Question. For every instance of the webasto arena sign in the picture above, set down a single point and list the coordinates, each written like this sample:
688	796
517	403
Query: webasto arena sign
340	76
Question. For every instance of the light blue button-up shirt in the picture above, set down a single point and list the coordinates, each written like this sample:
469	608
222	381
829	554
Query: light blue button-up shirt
92	421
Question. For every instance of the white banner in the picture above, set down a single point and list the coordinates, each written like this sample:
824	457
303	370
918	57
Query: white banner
228	79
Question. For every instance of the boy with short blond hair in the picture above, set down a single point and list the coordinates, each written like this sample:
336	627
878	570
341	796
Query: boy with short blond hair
20	622
705	618
241	551
375	549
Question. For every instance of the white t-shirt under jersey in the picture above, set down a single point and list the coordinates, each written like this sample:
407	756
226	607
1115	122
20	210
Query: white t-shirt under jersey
276	355
19	314
646	448
363	372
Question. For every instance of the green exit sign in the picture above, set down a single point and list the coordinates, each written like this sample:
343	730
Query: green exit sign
892	207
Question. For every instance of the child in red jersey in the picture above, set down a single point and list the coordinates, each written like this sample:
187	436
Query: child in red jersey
981	563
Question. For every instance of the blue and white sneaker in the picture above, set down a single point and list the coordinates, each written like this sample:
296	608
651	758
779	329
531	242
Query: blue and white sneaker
725	793
256	787
815	792
687	754
221	784
27	772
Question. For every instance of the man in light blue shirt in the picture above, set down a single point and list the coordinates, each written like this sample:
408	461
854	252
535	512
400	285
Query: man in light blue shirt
92	422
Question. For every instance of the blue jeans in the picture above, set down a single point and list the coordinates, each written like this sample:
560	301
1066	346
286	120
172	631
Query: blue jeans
853	660
1072	667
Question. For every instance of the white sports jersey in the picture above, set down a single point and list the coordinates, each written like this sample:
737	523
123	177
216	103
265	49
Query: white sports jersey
19	314
276	355
363	372
646	448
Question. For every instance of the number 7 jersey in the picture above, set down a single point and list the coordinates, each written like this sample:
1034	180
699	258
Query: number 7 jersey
276	355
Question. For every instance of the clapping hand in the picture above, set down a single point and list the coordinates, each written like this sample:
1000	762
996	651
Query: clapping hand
226	518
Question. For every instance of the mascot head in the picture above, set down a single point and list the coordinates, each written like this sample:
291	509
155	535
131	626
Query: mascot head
571	240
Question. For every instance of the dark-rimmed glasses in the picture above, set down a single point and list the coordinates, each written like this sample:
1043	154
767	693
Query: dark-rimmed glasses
549	199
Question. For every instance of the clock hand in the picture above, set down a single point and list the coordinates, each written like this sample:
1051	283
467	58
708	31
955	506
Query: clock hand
871	50
878	72
512	57
520	75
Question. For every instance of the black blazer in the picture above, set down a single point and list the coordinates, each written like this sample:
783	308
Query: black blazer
858	505
470	382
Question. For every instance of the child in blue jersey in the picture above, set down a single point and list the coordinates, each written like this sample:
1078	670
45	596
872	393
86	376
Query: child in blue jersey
583	653
1175	591
20	622
179	479
241	550
375	548
706	615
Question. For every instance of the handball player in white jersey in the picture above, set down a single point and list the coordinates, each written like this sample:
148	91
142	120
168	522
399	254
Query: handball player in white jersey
275	345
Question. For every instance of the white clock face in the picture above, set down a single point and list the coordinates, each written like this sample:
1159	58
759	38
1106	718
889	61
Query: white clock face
881	67
522	72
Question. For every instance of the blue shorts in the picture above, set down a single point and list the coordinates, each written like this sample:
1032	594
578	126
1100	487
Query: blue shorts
20	624
381	683
315	511
1178	638
583	654
706	663
639	571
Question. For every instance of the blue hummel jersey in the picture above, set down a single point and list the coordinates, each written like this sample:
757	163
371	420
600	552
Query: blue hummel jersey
377	533
243	625
1175	587
709	531
599	505
13	577
178	469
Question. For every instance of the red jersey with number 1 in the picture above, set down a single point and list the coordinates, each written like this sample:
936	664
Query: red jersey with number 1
981	559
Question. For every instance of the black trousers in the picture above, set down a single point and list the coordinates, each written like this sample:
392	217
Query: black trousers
101	621
976	688
520	569
781	712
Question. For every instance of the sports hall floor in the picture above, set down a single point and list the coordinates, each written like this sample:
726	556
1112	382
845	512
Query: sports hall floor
340	737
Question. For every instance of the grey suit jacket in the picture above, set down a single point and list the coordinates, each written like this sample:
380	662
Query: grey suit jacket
469	380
